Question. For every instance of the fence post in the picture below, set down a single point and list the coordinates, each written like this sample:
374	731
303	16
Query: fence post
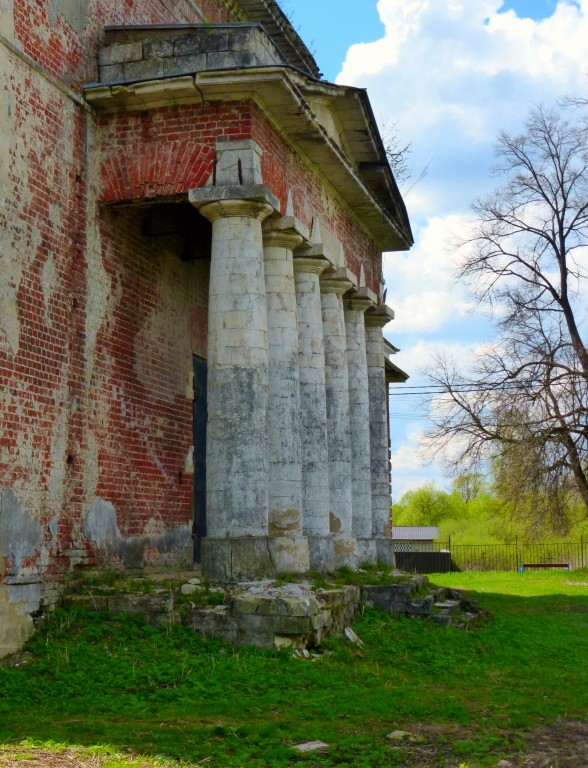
449	548
517	552
582	550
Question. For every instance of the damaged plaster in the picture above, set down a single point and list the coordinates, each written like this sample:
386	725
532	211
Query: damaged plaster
74	12
101	527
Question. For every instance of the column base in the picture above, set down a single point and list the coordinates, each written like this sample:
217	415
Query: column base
321	553
366	551
290	554
385	552
237	559
344	552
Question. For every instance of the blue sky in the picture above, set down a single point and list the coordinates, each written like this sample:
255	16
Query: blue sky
450	74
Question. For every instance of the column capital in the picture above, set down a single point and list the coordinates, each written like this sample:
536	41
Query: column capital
379	315
252	201
337	281
360	299
313	264
285	232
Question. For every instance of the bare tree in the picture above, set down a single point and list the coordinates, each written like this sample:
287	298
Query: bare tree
398	155
524	401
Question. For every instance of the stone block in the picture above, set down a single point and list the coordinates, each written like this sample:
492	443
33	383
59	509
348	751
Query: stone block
120	54
421	606
148	606
294	606
231	60
213	622
181	65
295	625
202	41
236	559
255	630
448	607
143	70
321	553
387	597
384	552
87	602
290	554
158	49
114	73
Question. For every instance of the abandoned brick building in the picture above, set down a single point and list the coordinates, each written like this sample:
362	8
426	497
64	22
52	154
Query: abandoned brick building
192	363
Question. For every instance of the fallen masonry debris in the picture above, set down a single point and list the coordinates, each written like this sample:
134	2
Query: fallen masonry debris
296	616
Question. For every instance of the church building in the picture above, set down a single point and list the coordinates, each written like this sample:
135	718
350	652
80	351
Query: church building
192	360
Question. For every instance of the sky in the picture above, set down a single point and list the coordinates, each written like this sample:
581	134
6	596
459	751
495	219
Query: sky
449	75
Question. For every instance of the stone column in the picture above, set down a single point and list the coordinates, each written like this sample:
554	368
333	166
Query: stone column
236	545
313	414
375	319
359	418
334	283
288	546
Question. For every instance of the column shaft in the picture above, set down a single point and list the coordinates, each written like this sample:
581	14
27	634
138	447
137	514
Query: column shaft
379	453
289	547
313	415
237	381
333	285
359	418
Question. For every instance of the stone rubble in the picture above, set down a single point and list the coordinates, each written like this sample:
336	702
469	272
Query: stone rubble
290	616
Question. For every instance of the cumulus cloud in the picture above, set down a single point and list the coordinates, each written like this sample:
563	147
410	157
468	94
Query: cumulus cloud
421	283
451	74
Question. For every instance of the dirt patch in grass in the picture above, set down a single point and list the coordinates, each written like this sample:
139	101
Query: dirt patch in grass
561	745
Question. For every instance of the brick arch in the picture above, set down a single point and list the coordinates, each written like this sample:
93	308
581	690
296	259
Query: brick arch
148	170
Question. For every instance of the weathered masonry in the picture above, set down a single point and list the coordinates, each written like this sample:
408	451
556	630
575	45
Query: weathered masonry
192	364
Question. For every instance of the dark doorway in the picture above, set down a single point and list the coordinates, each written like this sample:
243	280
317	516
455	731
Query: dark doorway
200	418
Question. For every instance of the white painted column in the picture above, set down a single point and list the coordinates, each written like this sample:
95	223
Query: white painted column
236	545
334	283
288	545
359	417
313	413
375	319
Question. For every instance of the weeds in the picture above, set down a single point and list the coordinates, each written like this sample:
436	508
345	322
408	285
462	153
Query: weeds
468	698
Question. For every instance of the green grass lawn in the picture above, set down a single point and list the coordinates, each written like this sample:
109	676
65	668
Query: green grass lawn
466	696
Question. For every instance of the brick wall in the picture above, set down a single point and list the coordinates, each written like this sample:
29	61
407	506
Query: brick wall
99	315
64	264
171	150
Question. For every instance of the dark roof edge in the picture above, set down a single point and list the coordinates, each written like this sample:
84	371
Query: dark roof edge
279	26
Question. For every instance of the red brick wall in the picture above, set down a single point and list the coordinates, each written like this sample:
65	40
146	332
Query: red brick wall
97	321
165	151
140	416
42	301
284	172
64	264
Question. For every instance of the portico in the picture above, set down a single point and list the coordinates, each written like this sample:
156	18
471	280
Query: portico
301	205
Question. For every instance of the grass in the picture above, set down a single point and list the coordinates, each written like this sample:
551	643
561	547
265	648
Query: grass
154	695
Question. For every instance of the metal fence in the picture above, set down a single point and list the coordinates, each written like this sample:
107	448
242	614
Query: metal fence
496	557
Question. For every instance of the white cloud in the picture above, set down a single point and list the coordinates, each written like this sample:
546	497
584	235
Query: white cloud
421	282
451	74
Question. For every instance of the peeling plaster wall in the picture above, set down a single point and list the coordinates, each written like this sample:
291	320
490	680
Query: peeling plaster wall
73	367
98	322
138	498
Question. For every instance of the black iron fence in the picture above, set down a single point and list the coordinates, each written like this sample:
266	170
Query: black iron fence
448	556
